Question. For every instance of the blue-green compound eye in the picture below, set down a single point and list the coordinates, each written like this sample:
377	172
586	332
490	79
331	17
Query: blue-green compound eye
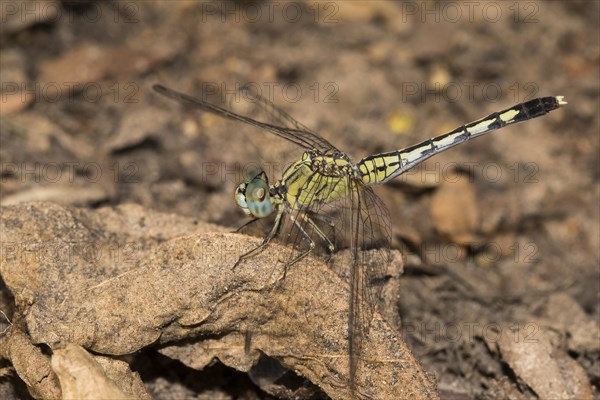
257	197
252	196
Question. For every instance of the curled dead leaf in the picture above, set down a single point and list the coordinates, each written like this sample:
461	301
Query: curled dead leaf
115	298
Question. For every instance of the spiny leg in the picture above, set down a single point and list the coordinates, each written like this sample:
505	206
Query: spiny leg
265	242
253	220
306	236
318	231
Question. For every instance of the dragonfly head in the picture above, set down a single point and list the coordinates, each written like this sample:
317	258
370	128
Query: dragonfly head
252	195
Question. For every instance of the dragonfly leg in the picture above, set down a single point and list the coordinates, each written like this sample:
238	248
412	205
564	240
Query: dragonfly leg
306	236
246	224
318	231
265	242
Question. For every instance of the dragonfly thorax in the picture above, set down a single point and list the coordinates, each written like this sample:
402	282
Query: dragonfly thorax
253	196
332	164
316	178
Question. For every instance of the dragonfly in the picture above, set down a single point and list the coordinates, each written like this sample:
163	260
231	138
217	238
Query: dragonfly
324	181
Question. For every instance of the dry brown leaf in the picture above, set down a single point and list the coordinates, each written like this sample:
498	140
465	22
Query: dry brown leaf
454	210
185	289
548	371
32	366
567	315
81	376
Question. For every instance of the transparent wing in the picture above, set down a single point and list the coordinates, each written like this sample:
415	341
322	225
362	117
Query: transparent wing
298	135
359	223
274	112
370	246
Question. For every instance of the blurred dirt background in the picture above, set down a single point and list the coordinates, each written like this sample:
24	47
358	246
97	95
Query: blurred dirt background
500	236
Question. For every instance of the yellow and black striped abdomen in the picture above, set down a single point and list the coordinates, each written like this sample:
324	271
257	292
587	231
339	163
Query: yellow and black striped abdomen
380	168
